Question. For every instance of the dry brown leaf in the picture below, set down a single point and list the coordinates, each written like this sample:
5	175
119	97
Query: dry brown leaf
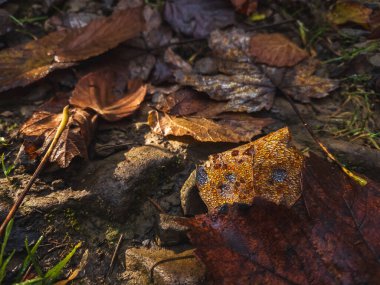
105	92
276	50
350	11
329	236
299	82
242	86
41	127
240	128
100	35
185	102
29	62
268	167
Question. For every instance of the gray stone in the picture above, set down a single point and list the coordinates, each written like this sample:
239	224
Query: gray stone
173	266
119	183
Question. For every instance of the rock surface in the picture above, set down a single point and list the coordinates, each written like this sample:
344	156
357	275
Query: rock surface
173	266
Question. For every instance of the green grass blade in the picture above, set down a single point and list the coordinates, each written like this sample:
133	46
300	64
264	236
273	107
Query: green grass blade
30	259
4	266
54	272
35	281
5	241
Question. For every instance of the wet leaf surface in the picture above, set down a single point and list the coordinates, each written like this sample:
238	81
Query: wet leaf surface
109	93
238	128
40	129
198	18
276	50
329	236
268	167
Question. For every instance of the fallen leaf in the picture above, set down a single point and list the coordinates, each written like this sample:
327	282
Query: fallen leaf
75	138
300	83
350	11
276	50
186	101
246	7
248	87
29	62
329	236
242	86
100	35
225	129
268	167
198	18
105	92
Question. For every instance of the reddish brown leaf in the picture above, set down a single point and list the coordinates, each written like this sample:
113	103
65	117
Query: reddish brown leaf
225	129
74	139
276	50
105	92
350	11
100	35
246	7
268	167
330	236
185	102
29	62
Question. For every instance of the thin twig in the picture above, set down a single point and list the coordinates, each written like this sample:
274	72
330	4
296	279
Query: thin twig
156	205
360	180
20	199
110	268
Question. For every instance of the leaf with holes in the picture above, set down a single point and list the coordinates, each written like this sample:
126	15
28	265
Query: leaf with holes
40	129
331	235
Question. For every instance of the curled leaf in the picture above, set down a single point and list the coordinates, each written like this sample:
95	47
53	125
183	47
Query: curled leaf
268	167
108	93
39	131
225	129
276	50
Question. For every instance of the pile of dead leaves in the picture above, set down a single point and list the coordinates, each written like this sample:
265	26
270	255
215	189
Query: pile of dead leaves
277	217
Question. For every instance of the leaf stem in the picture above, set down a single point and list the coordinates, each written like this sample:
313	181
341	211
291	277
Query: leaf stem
20	199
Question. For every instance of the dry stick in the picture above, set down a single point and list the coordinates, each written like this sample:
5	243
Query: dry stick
114	255
360	180
20	199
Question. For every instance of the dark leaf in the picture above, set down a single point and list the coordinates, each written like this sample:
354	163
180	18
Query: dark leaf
198	18
246	7
330	236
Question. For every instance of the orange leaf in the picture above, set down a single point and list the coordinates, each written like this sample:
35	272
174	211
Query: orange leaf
104	92
276	50
350	11
268	167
